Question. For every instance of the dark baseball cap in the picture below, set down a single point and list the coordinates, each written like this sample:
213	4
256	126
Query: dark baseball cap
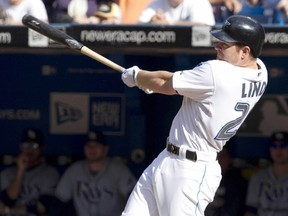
280	136
96	136
32	135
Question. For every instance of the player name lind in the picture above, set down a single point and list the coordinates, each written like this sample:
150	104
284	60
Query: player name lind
253	89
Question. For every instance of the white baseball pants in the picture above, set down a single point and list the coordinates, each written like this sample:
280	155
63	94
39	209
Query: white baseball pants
172	186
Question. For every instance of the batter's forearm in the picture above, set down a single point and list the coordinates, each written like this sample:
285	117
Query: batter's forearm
157	81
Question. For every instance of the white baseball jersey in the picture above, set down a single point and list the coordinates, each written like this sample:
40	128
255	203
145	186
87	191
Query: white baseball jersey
189	10
218	97
268	194
101	194
35	8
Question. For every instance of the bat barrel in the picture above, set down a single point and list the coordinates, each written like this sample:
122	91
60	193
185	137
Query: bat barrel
50	32
62	38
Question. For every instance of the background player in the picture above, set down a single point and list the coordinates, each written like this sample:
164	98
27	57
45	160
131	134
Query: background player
27	188
217	97
267	192
98	185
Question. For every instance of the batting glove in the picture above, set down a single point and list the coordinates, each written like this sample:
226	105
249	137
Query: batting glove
129	76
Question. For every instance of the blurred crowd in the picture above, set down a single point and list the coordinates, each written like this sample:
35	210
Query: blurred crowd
100	185
170	12
93	185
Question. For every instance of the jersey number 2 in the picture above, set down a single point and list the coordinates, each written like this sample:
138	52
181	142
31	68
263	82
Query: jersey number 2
227	131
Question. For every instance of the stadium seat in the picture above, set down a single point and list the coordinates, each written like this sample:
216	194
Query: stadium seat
261	14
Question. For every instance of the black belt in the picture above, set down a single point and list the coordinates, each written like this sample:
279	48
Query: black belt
190	155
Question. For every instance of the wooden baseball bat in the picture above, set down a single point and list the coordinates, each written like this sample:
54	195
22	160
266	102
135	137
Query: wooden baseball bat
62	38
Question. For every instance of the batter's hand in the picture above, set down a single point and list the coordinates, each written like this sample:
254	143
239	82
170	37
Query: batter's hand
129	76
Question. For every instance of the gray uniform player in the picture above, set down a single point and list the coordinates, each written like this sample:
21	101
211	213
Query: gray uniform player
28	187
97	185
38	182
267	193
217	97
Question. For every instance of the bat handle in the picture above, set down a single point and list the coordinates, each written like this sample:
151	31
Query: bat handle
92	54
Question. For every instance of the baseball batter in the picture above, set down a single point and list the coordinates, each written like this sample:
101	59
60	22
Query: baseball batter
217	97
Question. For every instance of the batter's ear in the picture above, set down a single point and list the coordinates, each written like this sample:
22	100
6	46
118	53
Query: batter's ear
246	51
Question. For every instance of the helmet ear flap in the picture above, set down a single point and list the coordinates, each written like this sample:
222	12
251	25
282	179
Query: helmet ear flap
243	30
